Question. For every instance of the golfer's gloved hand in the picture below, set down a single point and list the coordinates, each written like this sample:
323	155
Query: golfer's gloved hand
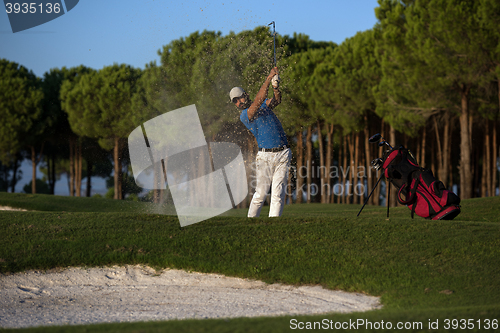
276	81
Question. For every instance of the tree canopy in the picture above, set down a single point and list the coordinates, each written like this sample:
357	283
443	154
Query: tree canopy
20	108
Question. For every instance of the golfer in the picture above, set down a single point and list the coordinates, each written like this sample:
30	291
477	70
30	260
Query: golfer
274	156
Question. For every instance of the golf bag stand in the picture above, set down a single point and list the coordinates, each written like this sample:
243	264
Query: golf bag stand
378	181
417	187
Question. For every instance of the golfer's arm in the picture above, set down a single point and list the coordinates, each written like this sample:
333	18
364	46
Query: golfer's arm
272	103
259	99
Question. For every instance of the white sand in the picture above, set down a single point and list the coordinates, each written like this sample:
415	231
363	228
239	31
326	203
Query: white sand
137	293
10	208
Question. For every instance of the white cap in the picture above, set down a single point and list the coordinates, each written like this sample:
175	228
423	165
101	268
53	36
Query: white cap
236	92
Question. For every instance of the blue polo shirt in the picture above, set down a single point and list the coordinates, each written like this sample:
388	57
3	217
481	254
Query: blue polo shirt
266	127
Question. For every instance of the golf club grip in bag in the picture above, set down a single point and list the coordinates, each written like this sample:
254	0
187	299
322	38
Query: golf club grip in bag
418	188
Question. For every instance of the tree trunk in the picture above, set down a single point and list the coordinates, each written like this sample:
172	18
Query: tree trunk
494	158
446	150
288	193
418	151
309	162
321	164
393	136
495	144
53	174
483	186
300	159
423	152
5	172
163	192
350	191
159	178
78	169
378	151
487	161
72	166
33	174
439	151
355	196
202	201
117	170
328	164
466	176
433	157
35	161
14	174
368	158
450	177
49	173
450	165
476	184
89	178
344	170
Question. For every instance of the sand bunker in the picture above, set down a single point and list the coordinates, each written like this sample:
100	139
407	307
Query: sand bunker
137	293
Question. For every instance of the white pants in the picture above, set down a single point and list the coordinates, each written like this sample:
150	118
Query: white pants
271	169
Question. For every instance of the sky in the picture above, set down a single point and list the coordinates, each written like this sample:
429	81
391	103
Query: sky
98	33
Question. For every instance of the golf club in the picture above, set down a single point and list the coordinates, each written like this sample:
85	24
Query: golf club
376	138
274	41
376	164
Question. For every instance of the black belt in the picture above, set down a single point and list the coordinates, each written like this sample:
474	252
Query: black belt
273	150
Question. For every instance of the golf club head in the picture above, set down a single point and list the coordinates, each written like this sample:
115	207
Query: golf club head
383	142
375	138
377	163
273	24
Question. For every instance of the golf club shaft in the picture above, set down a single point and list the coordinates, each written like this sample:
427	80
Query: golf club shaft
274	41
274	46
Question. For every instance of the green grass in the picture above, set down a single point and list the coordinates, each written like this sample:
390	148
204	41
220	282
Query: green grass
409	263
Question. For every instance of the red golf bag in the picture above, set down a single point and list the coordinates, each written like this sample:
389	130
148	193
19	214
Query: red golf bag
417	187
